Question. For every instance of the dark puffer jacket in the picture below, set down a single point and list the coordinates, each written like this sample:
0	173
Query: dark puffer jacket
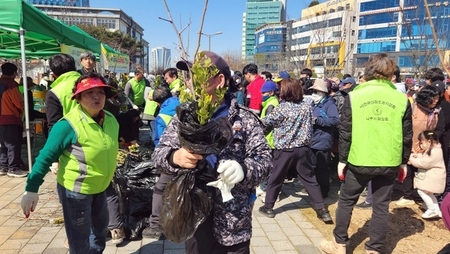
233	219
325	119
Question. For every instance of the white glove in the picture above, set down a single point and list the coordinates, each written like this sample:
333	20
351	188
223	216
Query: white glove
29	202
135	107
341	168
54	167
230	171
225	189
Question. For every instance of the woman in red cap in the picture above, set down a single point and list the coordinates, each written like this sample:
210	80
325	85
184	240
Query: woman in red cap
85	142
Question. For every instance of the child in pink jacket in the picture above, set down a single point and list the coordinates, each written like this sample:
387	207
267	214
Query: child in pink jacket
430	178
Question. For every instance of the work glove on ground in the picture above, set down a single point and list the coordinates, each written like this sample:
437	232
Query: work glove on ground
230	173
29	202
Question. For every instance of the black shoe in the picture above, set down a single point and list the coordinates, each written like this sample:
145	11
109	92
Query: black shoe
324	215
364	205
268	212
154	233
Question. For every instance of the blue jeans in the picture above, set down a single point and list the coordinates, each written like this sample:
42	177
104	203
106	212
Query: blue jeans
85	218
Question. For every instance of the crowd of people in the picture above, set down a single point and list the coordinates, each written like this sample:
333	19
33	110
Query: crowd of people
368	133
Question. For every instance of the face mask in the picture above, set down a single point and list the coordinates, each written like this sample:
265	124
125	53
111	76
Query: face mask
238	81
317	96
265	97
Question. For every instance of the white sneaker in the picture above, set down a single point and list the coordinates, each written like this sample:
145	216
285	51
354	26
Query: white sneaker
432	214
405	202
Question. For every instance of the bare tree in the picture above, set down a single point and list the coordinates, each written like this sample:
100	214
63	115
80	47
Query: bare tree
332	41
234	59
420	40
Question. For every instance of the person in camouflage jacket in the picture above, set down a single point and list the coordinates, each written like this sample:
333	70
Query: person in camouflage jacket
228	228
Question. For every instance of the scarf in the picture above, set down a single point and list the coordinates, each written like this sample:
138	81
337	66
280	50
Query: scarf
430	112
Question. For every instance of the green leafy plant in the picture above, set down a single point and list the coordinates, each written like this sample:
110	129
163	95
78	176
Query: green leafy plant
202	71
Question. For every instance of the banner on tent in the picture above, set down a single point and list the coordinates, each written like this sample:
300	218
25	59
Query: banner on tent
114	62
74	52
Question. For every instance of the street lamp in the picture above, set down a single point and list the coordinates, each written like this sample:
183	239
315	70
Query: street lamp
209	38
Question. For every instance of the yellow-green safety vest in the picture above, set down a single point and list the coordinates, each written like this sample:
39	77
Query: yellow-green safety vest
88	166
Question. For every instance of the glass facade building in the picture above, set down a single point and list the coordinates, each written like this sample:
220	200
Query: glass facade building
76	3
160	59
258	13
402	29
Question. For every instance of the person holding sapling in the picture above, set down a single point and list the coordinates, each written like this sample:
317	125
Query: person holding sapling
244	158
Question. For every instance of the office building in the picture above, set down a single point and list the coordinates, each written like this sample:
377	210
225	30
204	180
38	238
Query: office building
402	29
75	3
111	19
324	38
161	59
270	47
257	13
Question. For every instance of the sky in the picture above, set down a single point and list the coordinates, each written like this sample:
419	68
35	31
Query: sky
222	16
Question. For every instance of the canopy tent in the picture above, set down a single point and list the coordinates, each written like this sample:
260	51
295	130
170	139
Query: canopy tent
42	33
25	28
17	53
110	59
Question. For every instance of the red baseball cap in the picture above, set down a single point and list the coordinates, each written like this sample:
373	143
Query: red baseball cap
89	83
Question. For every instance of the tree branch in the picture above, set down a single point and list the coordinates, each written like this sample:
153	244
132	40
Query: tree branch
205	7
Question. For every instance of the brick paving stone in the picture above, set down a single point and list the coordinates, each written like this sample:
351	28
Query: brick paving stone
277	236
307	249
34	248
260	241
24	233
282	245
263	249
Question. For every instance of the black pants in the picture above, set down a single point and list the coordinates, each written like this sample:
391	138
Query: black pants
408	183
11	144
301	160
321	163
112	199
354	184
203	241
157	201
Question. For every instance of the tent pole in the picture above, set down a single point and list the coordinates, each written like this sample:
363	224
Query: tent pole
25	89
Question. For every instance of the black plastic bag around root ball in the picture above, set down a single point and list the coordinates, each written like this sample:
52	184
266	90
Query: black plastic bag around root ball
210	138
184	208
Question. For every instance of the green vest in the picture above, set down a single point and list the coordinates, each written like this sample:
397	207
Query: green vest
175	86
273	100
138	91
165	118
150	105
88	166
377	124
62	87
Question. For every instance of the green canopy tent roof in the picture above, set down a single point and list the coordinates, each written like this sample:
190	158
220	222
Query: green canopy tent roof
107	47
42	33
17	53
25	28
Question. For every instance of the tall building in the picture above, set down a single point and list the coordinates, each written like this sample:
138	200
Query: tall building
111	19
401	28
324	38
270	47
257	13
161	59
77	3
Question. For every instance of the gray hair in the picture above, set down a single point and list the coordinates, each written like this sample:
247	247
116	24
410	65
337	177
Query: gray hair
87	54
